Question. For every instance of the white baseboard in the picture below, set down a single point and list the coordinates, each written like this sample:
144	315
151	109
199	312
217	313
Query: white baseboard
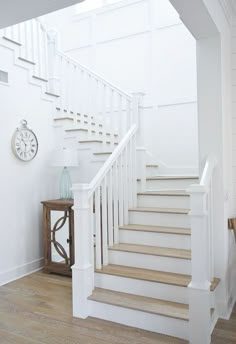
20	271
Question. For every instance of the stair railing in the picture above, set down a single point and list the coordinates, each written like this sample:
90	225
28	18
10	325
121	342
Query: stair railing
99	105
202	260
101	207
32	39
104	107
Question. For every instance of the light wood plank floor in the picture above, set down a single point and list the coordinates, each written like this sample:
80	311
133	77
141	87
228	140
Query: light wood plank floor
37	309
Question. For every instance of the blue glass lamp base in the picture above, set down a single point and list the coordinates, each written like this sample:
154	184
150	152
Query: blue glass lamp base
65	185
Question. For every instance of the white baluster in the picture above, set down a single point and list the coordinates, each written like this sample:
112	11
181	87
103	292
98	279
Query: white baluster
104	114
82	270
110	210
121	190
79	91
98	228
26	41
111	117
89	105
53	81
130	173
126	186
120	117
104	222
12	33
134	174
141	151
45	56
128	114
96	105
31	40
115	197
82	94
60	83
35	46
39	55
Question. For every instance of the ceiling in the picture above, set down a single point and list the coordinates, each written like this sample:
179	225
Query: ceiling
15	11
232	4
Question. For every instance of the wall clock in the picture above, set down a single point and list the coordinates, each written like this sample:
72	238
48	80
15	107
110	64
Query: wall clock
24	143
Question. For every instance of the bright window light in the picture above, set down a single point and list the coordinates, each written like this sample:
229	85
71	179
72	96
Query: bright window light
89	5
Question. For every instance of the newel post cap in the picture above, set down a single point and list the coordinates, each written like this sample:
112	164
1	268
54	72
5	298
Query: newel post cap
81	194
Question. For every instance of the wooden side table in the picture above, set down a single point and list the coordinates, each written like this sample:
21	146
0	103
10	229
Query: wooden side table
58	235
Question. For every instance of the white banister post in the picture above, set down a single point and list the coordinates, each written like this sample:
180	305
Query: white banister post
82	270
52	62
140	150
199	288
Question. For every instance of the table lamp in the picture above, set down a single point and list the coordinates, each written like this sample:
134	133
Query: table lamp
65	157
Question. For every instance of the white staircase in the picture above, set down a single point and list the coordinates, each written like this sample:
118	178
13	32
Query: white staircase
151	264
145	283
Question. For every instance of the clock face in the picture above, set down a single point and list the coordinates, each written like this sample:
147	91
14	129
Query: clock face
24	144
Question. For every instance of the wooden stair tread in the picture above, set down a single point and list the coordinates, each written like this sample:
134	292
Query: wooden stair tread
12	41
177	177
141	303
26	60
160	210
102	153
171	278
39	78
62	118
157	229
164	193
90	141
152	165
153	250
76	129
52	94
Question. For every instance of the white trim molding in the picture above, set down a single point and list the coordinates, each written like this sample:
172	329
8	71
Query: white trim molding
21	271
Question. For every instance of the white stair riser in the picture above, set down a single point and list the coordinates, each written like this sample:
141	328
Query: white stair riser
140	319
151	171
146	261
83	135
155	239
134	286
159	219
140	287
62	122
97	147
179	184
164	201
100	158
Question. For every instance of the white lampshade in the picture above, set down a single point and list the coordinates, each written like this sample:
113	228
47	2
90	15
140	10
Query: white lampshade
64	157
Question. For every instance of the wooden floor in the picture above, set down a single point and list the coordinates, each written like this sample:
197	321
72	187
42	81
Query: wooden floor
37	309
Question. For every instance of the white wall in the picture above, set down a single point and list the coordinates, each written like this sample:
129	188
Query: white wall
225	243
209	20
23	185
151	51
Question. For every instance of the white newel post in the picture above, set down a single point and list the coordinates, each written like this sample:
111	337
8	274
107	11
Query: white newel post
53	78
82	270
199	288
140	150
